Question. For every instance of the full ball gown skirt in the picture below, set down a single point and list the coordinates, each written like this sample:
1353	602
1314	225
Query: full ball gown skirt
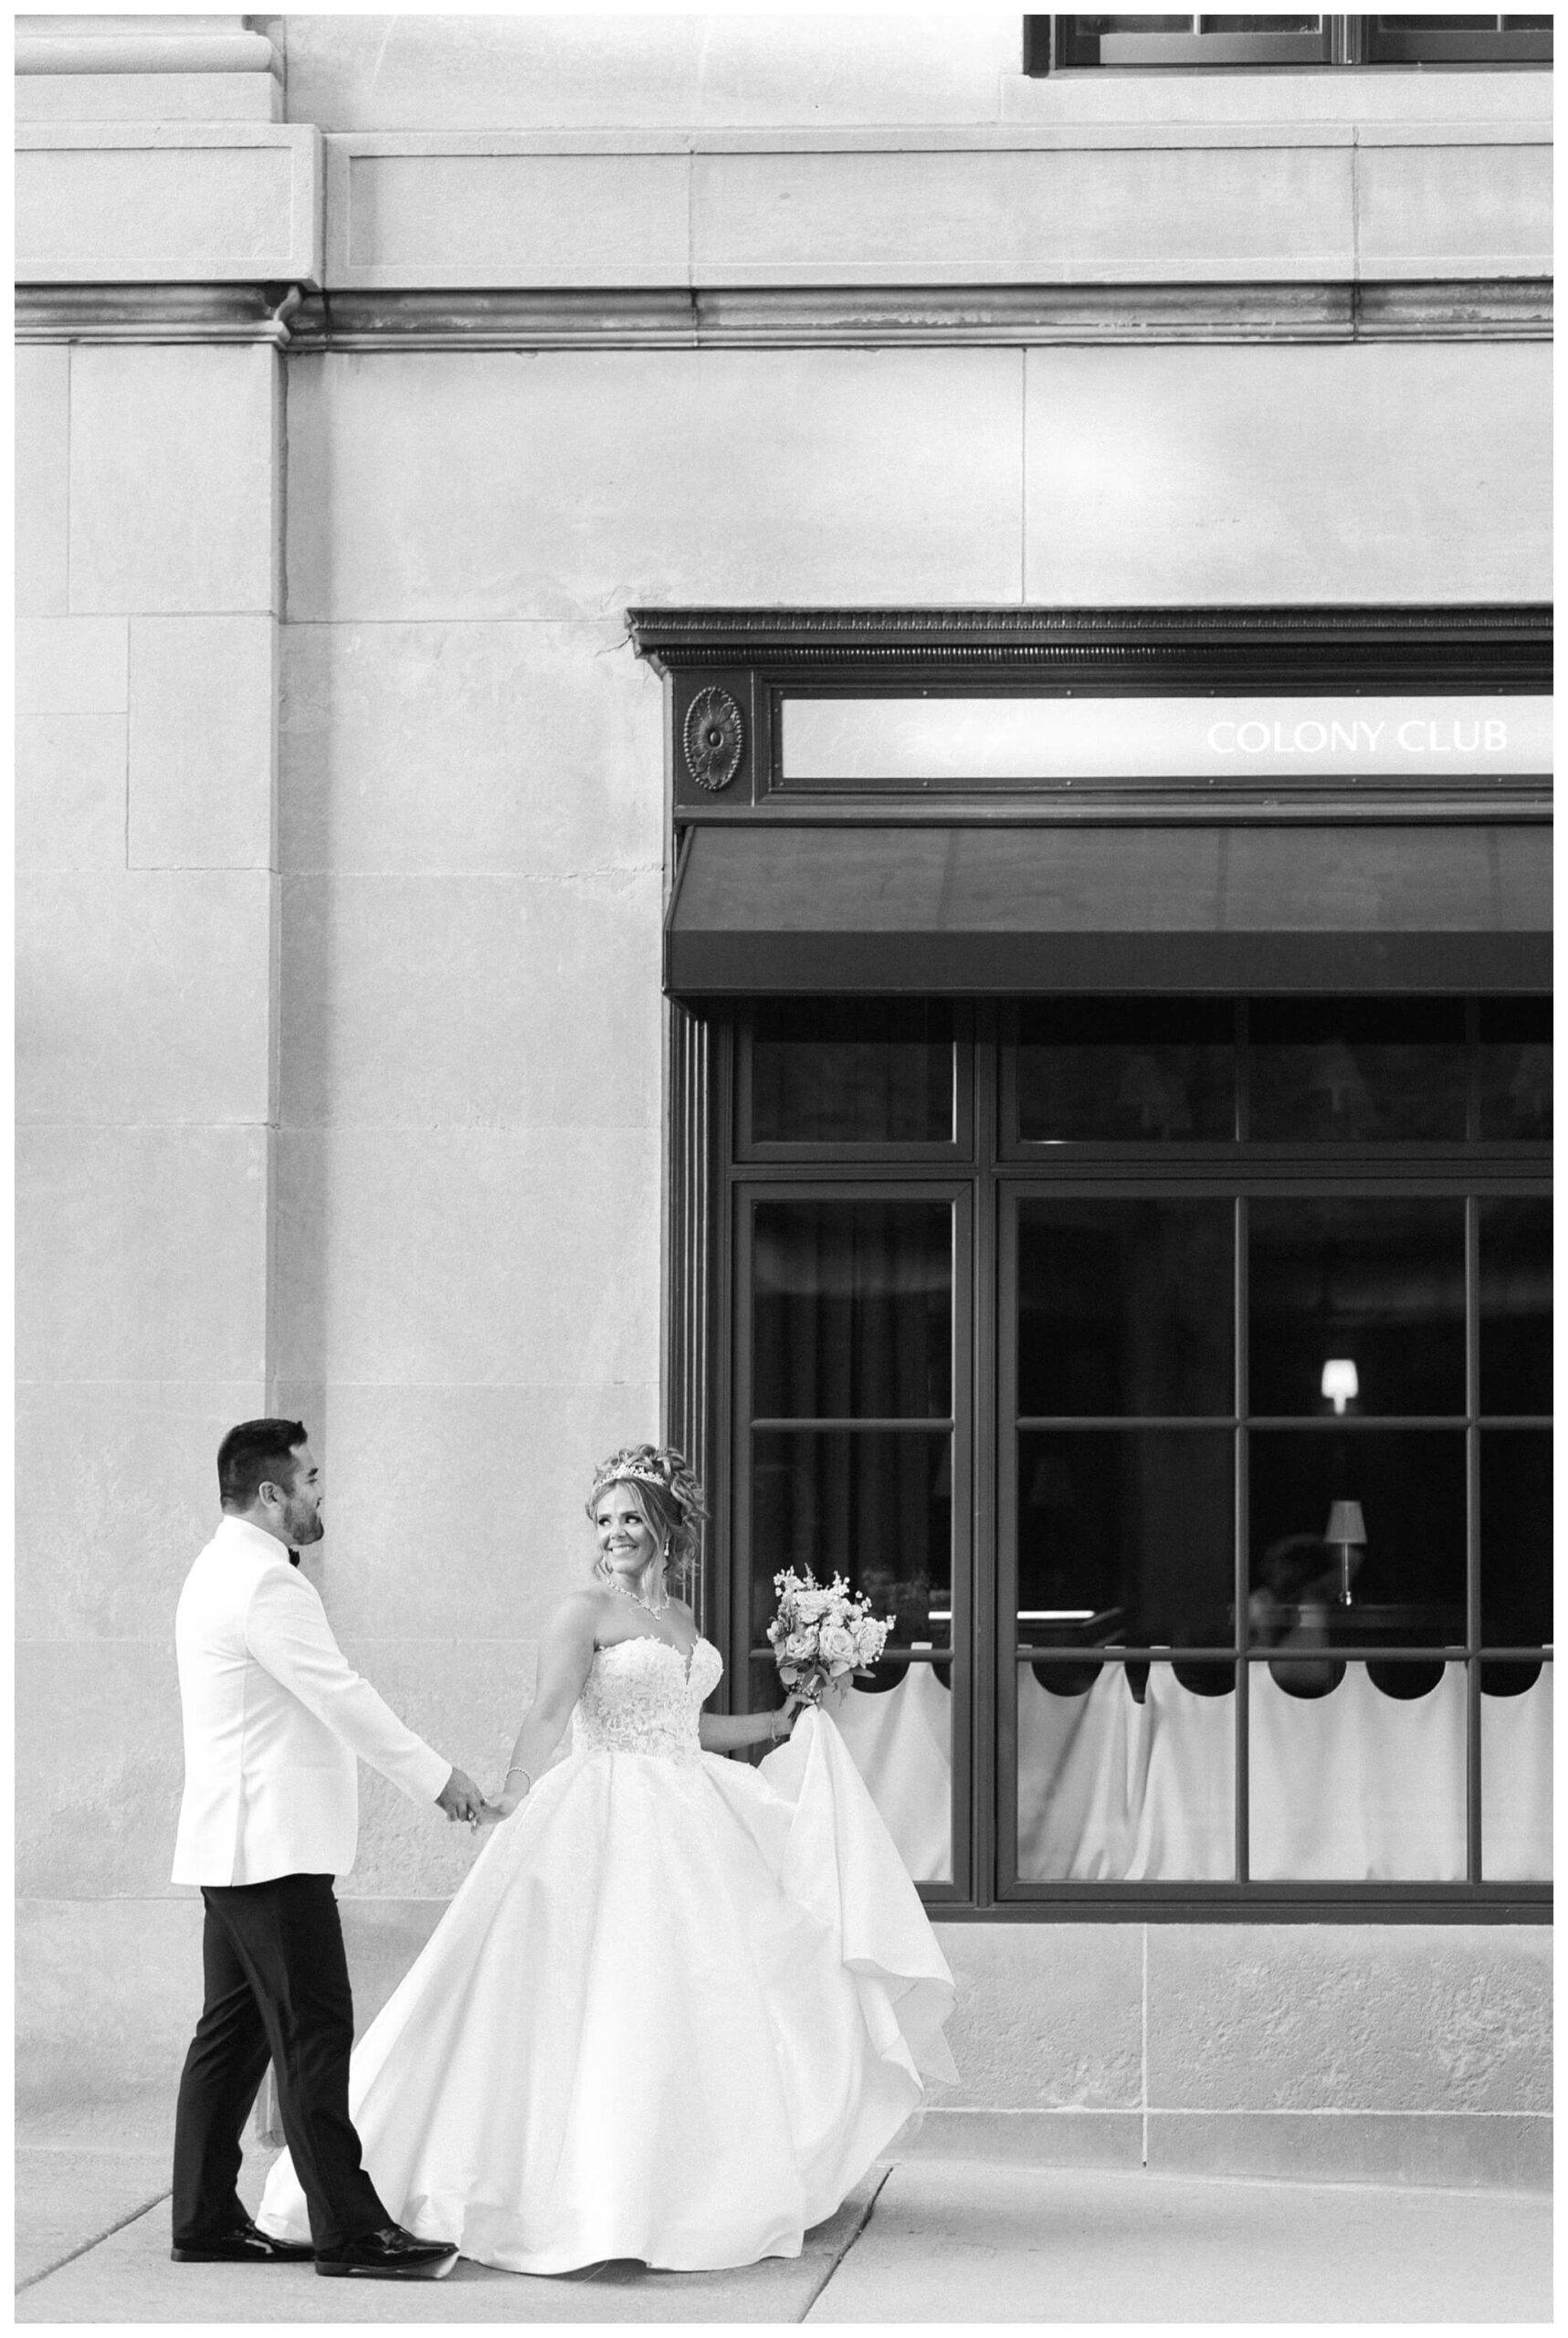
674	2013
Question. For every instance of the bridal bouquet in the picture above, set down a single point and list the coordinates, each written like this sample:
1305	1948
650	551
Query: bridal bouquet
822	1633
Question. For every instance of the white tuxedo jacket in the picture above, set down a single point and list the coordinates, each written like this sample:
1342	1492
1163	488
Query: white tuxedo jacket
273	1720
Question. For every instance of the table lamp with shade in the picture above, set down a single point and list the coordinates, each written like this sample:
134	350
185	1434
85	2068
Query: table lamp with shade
1346	1531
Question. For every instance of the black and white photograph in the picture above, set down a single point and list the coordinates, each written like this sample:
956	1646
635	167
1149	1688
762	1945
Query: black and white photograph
782	1263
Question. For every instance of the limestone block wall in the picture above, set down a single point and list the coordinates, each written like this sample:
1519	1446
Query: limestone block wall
472	820
1138	203
139	201
1387	2053
149	593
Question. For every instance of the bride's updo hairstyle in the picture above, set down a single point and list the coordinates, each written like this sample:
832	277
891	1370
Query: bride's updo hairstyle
672	1498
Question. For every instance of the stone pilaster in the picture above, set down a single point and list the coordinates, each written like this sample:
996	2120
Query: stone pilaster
149	593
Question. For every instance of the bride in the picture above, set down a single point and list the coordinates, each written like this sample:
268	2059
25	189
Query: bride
679	2005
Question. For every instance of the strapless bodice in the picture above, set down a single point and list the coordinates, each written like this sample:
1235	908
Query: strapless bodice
642	1696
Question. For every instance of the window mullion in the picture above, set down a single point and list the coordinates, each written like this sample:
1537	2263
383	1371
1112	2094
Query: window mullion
1474	1854
993	1695
1243	1545
1347	41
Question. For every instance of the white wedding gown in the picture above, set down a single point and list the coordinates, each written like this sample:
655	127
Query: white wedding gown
675	2012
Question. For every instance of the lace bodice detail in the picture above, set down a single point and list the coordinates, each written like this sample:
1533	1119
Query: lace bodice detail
642	1697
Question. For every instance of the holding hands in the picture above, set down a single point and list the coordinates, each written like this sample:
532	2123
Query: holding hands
460	1799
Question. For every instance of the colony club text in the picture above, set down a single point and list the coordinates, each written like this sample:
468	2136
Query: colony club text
1420	734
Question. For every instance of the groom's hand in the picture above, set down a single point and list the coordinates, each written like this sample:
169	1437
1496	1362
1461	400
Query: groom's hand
460	1797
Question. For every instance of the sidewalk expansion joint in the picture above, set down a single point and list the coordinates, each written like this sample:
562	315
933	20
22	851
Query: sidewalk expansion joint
85	2247
850	2238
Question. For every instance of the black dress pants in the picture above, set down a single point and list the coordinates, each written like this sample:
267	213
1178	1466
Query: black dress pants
276	1988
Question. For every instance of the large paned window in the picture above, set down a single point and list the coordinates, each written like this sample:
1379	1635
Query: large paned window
1176	1373
1109	1103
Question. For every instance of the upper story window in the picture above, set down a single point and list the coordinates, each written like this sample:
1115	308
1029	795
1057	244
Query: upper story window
1053	44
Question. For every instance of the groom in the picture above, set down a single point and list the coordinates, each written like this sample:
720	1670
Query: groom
273	1721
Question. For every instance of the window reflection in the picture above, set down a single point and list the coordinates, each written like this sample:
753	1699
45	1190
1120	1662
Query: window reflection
848	1071
1126	1071
873	1505
1135	24
1126	1535
1516	1537
852	1309
1515	1243
1514	1068
1301	1594
1114	1784
1460	23
1125	1307
1378	1284
1357	1070
1406	1581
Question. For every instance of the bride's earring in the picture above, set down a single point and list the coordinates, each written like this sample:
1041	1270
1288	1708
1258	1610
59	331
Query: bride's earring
655	1570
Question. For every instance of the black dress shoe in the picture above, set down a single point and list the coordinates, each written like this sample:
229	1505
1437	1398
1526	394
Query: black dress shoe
246	2244
389	2255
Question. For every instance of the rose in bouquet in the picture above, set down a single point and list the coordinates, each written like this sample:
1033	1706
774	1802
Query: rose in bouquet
822	1633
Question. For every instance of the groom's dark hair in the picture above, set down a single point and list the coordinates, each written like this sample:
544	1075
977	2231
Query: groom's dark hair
253	1452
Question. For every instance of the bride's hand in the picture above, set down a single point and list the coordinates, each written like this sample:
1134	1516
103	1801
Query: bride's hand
491	1813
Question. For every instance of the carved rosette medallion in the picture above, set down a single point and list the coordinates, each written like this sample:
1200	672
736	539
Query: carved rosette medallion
713	739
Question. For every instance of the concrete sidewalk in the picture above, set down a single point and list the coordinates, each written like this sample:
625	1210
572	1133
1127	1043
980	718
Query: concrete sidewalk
923	2240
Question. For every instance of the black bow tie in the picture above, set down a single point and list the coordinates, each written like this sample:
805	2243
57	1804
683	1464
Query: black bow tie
293	1558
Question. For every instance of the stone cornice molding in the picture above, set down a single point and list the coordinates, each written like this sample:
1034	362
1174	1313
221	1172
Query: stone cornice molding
1000	316
1125	136
1501	646
156	313
146	52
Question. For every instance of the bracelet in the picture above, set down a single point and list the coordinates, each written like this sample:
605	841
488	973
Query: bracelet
517	1771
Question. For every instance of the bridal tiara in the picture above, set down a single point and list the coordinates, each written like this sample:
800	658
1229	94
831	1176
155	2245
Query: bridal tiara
610	1476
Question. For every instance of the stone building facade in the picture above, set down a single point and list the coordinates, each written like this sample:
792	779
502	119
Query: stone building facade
370	371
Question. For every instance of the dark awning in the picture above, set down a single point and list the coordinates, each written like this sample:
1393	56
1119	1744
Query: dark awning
1403	907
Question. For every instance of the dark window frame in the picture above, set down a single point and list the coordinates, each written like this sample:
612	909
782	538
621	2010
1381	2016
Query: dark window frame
758	656
986	1658
884	1181
1062	44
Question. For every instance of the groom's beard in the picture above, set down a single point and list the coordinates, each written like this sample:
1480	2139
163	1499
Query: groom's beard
302	1526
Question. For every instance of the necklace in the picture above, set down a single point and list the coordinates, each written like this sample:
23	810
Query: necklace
637	1600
